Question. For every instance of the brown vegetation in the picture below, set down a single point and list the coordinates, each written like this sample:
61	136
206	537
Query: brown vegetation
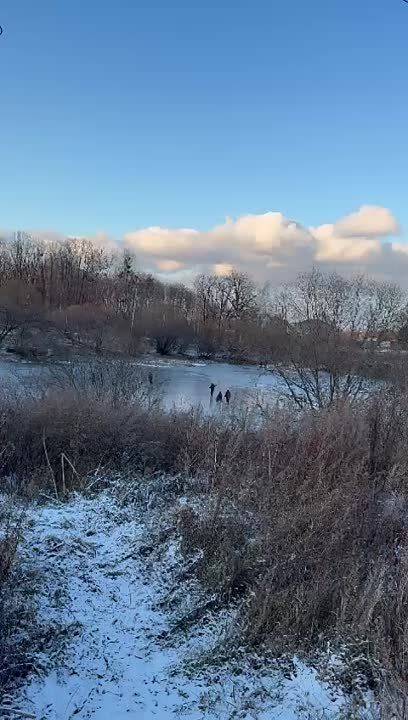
80	298
303	520
307	523
335	327
11	664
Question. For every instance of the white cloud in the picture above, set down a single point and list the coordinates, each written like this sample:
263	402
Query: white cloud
157	241
370	221
169	266
400	247
271	246
104	241
332	247
263	240
222	269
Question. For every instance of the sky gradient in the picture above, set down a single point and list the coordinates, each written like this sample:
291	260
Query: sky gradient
118	116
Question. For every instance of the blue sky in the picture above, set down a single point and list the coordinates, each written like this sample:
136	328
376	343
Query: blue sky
121	115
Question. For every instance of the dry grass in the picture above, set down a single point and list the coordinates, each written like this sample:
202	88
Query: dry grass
11	664
305	521
308	522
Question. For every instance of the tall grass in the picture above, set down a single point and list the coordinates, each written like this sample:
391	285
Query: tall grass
11	665
308	522
305	519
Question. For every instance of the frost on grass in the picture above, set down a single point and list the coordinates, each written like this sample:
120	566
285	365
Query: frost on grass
18	627
112	587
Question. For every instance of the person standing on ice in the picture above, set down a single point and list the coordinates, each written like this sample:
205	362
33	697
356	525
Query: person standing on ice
218	399
212	388
228	396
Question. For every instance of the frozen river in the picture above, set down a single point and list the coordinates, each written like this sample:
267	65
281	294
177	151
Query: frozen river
187	385
181	384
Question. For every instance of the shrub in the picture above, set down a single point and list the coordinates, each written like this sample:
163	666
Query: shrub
304	519
10	611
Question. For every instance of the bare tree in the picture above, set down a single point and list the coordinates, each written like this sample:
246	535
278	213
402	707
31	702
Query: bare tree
18	308
84	325
204	289
330	319
223	298
168	329
243	294
386	308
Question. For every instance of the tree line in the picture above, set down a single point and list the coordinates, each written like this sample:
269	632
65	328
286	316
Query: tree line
100	300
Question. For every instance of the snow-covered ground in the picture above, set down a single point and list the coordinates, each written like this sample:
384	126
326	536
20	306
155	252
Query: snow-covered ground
106	591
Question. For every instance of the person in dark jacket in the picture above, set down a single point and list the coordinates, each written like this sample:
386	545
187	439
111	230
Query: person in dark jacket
219	397
212	388
228	396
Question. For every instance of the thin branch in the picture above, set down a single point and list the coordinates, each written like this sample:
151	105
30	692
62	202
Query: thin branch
19	713
49	465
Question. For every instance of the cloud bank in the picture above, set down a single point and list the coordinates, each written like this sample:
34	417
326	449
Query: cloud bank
272	247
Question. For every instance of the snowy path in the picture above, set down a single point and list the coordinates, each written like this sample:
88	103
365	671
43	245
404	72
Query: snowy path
113	663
